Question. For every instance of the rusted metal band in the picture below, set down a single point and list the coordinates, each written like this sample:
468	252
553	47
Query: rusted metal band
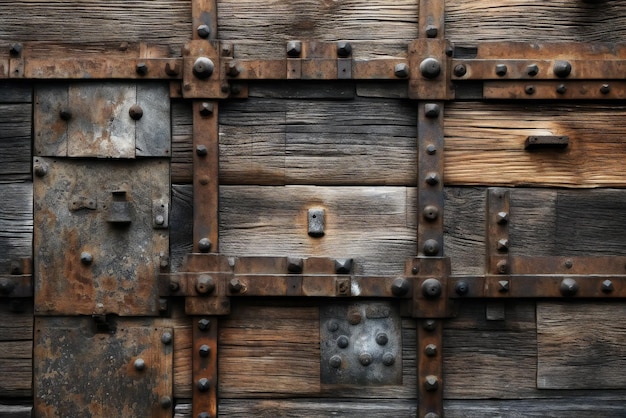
430	367
204	19
497	240
204	361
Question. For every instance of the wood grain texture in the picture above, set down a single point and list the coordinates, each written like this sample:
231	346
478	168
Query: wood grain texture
16	411
15	141
15	92
485	144
464	229
166	22
181	225
581	346
182	147
531	21
16	222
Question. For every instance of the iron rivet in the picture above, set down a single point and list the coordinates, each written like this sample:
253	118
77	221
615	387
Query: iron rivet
569	287
461	288
431	149
430	68
235	285
430	213
204	384
205	284
142	68
41	169
203	68
562	69
503	245
294	49
503	286
204	245
171	69
86	258
201	150
332	326
206	109
431	247
460	70
389	359
532	70
227	50
502	267
502	218
431	383
65	115
15	49
365	359
431	288
400	287
295	265
431	110
605	89
561	89
166	338
415	269
430	350
568	264
401	70
431	31
344	49
166	402
6	286
343	341
204	415
607	286
335	362
529	89
174	286
429	325
343	265
140	364
160	220
204	350
203	31
233	69
354	317
204	324
501	70
382	339
432	179
449	51
135	112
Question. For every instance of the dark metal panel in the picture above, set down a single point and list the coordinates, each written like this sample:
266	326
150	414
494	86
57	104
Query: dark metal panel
51	115
153	133
126	372
97	248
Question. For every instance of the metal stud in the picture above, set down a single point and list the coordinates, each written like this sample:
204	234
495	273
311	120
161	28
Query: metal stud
430	68
502	267
431	383
203	31
139	364
40	169
389	359
343	341
204	384
561	89
235	285
204	324
504	286
204	245
202	151
461	288
431	149
429	325
532	70
205	284
430	213
365	359
165	402
401	70
135	112
65	114
562	69
294	49
206	108
432	179
502	218
400	287
503	245
569	287
344	49
204	350
530	89
295	265
431	110
86	258
431	31
607	286
203	68
15	49
460	70
142	68
166	338
501	70
431	247
430	350
233	69
382	339
335	362
343	265
605	89
431	288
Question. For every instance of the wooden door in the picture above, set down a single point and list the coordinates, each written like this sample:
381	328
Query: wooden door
312	209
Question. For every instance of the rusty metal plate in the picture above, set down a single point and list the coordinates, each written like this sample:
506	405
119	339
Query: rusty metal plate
97	248
51	112
126	372
361	344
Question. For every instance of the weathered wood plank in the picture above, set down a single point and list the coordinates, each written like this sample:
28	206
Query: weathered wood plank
464	229
16	349
182	139
529	21
581	346
166	22
379	408
16	411
15	92
485	144
17	376
532	222
16	322
16	222
15	141
181	226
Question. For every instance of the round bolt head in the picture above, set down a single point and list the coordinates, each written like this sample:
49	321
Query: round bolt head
135	112
607	286
6	286
430	68
204	245
431	247
431	31
142	68
332	325
41	169
400	287
166	338
86	258
431	149
205	284
460	70
429	325
204	324
430	350
401	70
335	362
233	69
561	89
431	288
503	245
569	287
165	402
354	317
502	218
294	49
204	350
431	383
203	68
430	213
501	70
382	339
568	264
432	179
203	31
206	108
502	267
204	384
529	90
605	89
174	286
343	341
562	69
159	220
461	288
201	150
65	115
365	359
431	110
344	49
15	49
295	265
532	70
139	364
389	359
235	285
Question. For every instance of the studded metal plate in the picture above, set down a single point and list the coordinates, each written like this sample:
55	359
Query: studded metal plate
361	344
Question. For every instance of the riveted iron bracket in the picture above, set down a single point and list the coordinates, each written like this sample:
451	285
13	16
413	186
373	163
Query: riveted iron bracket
204	360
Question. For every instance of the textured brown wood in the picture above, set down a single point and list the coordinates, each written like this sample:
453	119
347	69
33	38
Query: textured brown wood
16	411
15	141
16	342
164	22
485	144
182	138
379	408
581	346
181	228
16	222
529	21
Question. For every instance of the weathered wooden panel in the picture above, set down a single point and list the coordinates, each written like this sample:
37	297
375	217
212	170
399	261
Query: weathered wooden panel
16	320
16	344
182	140
15	92
166	22
581	346
16	411
181	229
485	144
531	21
16	223
296	408
15	141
